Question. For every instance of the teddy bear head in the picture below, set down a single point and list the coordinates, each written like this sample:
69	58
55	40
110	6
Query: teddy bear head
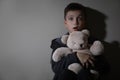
76	40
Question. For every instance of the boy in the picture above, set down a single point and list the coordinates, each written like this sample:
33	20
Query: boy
74	20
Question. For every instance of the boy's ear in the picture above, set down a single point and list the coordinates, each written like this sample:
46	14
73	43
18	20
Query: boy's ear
64	39
64	21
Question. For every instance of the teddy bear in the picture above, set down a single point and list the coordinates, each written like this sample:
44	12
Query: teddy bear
77	41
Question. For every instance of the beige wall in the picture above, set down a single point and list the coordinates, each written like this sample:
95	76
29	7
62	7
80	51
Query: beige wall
27	28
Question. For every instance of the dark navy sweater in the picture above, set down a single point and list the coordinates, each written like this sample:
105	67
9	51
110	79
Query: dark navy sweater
59	67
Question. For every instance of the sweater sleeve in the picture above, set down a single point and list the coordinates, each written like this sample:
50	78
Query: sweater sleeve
65	61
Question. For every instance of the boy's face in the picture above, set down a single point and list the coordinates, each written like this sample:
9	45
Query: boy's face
74	20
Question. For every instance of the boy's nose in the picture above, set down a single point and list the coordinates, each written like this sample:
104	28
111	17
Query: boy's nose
76	22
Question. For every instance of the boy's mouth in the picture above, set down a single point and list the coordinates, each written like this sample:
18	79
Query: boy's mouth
76	28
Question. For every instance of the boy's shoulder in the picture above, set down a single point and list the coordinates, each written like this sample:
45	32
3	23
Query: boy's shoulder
58	39
56	42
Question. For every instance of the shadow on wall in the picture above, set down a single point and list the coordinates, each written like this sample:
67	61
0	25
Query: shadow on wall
96	24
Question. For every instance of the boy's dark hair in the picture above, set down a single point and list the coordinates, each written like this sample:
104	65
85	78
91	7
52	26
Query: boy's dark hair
74	6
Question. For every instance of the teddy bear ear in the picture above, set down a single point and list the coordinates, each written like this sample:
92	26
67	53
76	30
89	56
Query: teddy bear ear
85	31
64	39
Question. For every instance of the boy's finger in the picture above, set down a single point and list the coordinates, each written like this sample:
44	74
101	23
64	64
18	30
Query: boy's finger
92	58
91	62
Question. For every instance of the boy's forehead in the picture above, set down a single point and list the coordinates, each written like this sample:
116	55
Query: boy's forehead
74	12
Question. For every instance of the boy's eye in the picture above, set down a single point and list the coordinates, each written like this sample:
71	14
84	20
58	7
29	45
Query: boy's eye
80	18
71	18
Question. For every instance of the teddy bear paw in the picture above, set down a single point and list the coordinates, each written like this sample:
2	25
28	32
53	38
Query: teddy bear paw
75	67
97	48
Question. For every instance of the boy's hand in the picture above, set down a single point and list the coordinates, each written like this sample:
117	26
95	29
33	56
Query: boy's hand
85	59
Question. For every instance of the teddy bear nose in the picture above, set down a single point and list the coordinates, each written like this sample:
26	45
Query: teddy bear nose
81	45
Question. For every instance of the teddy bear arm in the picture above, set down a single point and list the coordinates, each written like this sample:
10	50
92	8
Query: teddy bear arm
61	52
97	48
64	39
